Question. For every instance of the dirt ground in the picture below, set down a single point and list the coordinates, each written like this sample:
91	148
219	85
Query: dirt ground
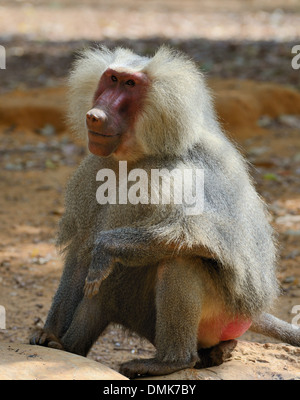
35	164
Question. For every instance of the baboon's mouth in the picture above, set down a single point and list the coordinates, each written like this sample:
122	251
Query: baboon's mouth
103	134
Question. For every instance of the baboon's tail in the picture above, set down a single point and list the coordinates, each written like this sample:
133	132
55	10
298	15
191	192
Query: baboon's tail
271	326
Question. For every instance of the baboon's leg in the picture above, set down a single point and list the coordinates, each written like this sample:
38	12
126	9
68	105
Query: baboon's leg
64	304
89	321
178	305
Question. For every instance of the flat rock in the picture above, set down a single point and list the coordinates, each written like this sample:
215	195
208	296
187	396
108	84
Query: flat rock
26	362
241	361
247	361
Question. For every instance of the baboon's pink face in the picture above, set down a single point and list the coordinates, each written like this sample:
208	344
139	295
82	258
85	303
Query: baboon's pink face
117	103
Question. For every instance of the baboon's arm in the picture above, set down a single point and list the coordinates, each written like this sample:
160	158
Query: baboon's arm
132	247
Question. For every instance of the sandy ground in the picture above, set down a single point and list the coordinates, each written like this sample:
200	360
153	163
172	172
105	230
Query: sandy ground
132	19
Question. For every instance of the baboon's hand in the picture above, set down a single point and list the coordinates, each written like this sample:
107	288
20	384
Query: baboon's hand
91	286
94	279
43	338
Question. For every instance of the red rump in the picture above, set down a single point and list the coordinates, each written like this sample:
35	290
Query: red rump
221	328
235	329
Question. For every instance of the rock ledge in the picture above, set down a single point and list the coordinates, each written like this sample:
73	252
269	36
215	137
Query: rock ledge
26	362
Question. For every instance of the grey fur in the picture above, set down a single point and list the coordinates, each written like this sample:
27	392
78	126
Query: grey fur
222	259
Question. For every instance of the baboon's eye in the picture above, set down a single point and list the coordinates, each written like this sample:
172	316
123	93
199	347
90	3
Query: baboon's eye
130	82
114	78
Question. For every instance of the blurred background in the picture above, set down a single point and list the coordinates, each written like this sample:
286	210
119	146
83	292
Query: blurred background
231	38
243	47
